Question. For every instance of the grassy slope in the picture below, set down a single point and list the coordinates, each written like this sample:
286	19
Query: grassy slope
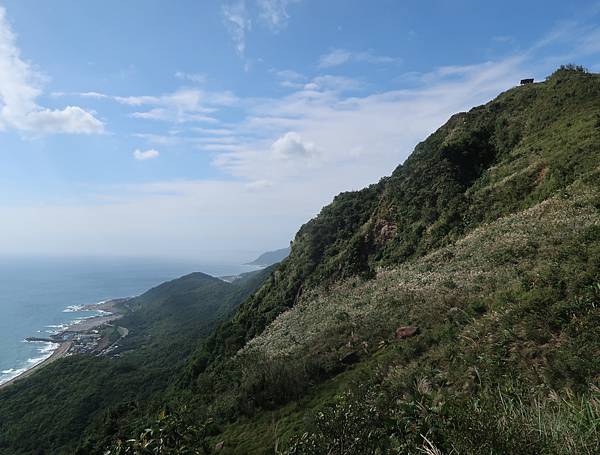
83	397
491	313
514	183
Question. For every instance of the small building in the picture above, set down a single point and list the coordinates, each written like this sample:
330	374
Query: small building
526	81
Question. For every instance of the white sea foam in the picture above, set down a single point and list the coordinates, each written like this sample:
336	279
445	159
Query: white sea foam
46	350
55	329
73	308
11	373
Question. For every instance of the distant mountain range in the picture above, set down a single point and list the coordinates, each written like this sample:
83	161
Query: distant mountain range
271	257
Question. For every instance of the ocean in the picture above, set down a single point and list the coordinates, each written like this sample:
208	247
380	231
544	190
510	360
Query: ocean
39	296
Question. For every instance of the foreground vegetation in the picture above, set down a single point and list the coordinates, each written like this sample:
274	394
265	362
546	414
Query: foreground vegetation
486	241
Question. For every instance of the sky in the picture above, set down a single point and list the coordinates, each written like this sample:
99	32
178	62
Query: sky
217	128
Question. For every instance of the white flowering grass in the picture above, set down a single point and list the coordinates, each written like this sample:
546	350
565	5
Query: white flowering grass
355	310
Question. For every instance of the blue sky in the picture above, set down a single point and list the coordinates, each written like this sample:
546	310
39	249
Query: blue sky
218	127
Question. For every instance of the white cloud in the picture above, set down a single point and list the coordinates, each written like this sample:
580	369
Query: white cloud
358	138
168	115
143	155
334	58
183	105
335	83
20	87
285	159
289	74
212	147
291	146
238	23
197	78
214	131
70	120
289	78
337	57
274	13
238	14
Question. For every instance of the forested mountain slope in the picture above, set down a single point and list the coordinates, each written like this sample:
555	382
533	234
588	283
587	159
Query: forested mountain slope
487	240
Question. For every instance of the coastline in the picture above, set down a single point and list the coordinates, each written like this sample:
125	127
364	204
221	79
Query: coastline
58	353
71	335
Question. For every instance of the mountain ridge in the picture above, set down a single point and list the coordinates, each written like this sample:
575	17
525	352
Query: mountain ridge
270	257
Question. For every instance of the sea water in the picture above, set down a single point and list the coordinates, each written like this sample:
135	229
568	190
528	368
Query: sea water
41	296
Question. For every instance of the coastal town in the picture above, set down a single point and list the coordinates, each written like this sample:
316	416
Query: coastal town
97	335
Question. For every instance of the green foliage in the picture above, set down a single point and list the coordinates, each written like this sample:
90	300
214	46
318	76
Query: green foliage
352	423
171	434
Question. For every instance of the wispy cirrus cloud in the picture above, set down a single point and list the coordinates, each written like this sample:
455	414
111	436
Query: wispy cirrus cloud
196	78
239	16
275	13
238	23
184	105
337	57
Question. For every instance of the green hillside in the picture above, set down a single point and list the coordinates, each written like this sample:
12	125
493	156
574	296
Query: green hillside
487	240
82	398
453	307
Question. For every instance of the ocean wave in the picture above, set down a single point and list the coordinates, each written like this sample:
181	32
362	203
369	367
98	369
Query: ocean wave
48	348
55	329
11	373
46	351
81	319
77	308
73	308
